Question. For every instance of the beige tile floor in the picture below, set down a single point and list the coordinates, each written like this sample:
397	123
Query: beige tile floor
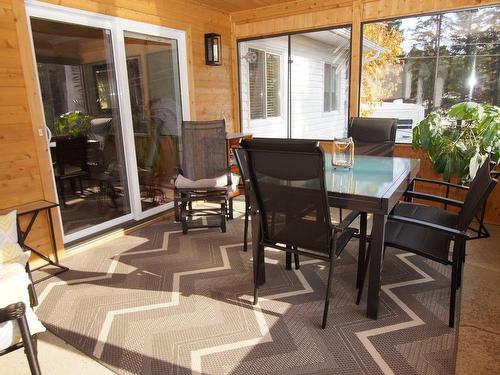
55	357
479	332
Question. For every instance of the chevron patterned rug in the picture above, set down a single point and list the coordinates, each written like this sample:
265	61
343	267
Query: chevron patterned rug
159	302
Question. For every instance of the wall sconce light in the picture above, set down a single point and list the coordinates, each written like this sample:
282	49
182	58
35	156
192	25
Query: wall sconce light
213	49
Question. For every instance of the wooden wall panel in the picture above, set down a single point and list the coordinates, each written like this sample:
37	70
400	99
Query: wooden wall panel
21	179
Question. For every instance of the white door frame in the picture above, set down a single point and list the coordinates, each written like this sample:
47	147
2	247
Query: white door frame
117	27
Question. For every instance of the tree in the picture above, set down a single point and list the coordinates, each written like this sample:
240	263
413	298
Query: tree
381	70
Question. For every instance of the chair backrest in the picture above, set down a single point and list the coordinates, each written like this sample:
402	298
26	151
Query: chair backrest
288	180
479	190
204	149
373	136
241	158
71	151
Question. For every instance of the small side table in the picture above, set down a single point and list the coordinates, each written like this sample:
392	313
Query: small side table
34	209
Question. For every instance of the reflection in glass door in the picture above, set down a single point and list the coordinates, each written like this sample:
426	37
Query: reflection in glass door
76	73
155	100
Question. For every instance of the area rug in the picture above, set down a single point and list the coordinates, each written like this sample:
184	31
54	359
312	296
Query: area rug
160	302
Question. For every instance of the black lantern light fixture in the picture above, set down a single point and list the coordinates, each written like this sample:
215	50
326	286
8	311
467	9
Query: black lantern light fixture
213	49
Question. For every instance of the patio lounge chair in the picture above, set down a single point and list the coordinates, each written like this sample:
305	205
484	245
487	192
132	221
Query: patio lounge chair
204	176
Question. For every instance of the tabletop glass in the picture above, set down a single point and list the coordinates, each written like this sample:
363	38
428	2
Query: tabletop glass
371	176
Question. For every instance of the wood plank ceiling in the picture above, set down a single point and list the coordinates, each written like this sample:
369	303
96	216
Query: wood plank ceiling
230	6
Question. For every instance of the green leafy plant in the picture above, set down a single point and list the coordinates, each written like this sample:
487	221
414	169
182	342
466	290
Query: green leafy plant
459	140
74	124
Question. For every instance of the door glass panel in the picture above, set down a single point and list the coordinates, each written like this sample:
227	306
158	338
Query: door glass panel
77	80
319	83
155	99
263	86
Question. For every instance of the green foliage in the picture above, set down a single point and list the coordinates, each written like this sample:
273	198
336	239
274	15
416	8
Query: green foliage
459	141
72	123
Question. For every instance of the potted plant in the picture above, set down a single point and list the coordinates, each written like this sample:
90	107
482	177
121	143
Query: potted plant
459	140
71	125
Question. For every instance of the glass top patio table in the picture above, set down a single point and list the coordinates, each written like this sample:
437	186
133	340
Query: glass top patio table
373	184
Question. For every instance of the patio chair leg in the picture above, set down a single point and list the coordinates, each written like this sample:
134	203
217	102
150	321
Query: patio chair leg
176	209
297	262
223	217
230	214
288	261
28	346
454	282
327	298
245	232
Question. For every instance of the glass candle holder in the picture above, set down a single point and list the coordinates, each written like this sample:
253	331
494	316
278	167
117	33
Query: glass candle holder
343	153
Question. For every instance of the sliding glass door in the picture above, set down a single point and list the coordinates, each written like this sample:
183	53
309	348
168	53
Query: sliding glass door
155	101
295	86
76	71
114	94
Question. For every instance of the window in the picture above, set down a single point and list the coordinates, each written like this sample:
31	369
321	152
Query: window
412	66
264	84
296	86
330	88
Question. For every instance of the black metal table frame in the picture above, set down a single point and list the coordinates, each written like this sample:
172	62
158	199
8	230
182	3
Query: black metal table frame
23	235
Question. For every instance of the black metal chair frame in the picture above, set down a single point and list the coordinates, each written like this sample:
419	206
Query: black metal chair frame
459	237
338	235
243	166
481	230
184	197
17	312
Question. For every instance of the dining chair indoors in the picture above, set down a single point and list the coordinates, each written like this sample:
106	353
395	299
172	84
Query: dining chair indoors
204	176
288	181
429	231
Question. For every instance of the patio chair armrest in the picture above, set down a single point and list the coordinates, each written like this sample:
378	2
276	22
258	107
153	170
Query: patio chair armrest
434	198
346	222
438	182
425	224
13	311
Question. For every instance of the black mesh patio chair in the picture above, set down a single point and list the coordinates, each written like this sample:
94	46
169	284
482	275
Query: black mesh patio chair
428	231
288	182
204	175
373	136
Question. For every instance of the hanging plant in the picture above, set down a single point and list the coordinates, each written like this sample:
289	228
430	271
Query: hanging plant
459	140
